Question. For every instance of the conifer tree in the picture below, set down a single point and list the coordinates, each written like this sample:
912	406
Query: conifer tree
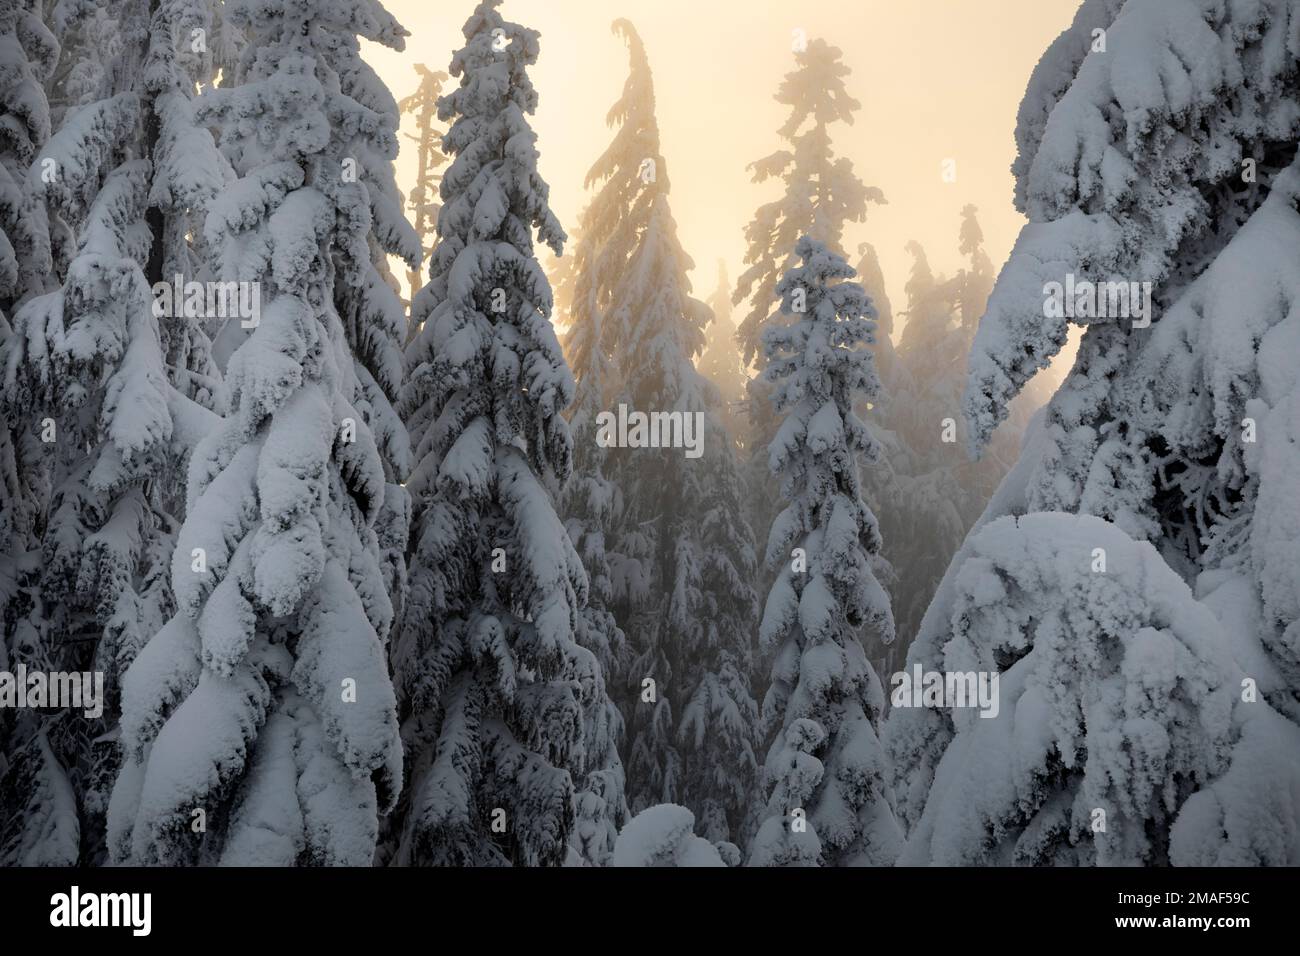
1163	160
721	363
270	679
113	376
366	294
495	688
821	193
826	773
589	505
38	811
684	562
429	157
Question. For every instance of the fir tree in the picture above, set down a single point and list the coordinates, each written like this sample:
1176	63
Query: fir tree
270	679
721	363
495	687
366	294
821	194
429	157
113	375
826	771
684	552
38	810
1165	161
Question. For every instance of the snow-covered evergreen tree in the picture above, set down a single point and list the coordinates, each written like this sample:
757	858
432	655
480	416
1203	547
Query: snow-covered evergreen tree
663	835
606	236
590	505
1116	701
976	282
683	556
1167	159
821	191
259	723
872	279
884	480
925	522
28	54
721	363
38	811
429	157
821	194
103	368
826	772
189	42
495	688
367	295
935	492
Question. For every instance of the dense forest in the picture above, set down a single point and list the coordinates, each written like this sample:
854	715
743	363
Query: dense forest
355	521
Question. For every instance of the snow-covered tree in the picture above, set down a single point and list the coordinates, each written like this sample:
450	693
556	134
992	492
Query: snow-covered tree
1168	159
976	282
495	687
927	517
189	42
821	194
38	810
682	561
107	378
589	506
1116	701
664	835
606	236
826	772
935	492
367	296
872	279
821	191
259	723
28	54
884	480
721	363
422	200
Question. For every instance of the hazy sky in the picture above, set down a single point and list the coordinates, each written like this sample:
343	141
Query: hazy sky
937	79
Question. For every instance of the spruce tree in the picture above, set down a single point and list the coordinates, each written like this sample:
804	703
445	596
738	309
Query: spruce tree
494	685
936	492
721	363
367	295
1164	160
684	563
113	375
38	810
589	505
259	723
422	201
821	194
826	773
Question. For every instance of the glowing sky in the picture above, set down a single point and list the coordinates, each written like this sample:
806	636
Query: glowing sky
937	79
